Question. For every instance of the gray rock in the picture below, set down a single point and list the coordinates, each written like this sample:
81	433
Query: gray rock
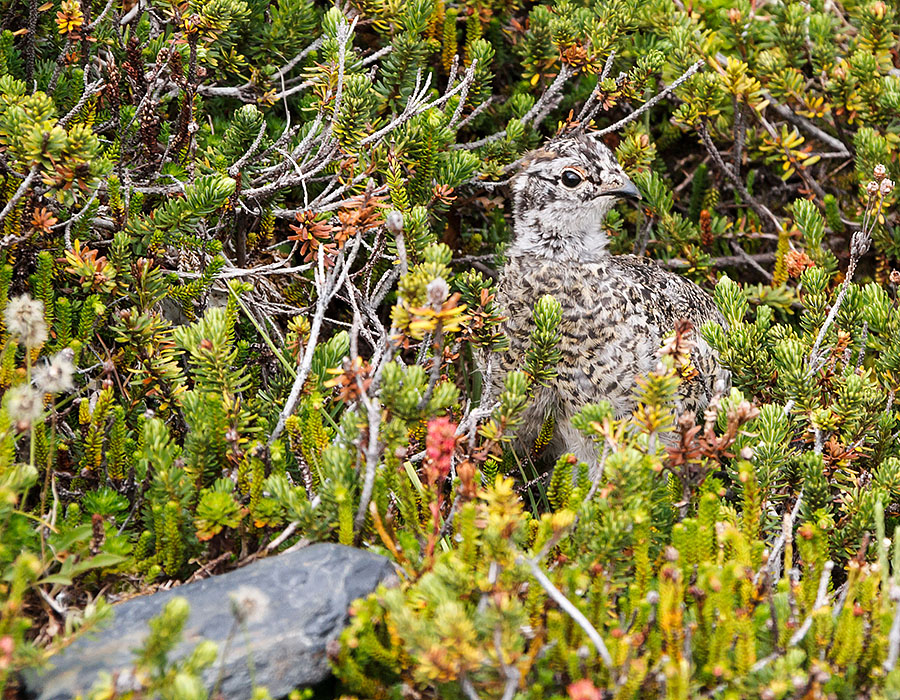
294	604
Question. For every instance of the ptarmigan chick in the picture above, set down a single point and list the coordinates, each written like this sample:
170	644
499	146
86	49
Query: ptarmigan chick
616	308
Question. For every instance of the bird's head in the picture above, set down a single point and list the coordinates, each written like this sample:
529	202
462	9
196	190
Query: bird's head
561	197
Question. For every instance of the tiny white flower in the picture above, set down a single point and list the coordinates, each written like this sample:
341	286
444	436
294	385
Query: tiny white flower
55	376
24	318
879	172
887	186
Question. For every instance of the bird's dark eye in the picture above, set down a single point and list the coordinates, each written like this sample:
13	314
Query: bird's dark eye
571	178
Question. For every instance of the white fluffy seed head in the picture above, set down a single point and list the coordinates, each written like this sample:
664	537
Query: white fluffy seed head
56	376
24	318
437	290
24	406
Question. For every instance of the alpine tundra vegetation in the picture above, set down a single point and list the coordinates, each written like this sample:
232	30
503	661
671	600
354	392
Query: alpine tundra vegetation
249	267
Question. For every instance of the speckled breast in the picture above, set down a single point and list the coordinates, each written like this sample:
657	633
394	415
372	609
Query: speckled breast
607	335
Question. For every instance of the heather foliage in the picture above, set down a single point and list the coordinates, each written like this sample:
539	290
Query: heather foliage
247	261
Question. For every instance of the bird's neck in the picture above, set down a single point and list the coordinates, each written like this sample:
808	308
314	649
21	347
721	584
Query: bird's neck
569	239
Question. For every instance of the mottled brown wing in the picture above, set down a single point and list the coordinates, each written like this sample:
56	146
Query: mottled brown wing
678	298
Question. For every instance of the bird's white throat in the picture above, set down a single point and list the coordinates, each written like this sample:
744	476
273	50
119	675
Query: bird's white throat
563	231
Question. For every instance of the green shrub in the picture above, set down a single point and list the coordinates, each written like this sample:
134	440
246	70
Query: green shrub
239	310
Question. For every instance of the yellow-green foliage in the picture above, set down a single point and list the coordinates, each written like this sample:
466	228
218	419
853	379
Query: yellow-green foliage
247	257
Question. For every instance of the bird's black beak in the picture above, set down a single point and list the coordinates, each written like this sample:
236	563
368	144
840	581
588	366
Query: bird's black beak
626	191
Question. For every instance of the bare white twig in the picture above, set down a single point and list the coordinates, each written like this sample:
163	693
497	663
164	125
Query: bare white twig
652	101
67	231
132	13
52	602
798	636
773	566
89	91
569	608
17	195
894	637
475	112
467	687
93	25
381	53
287	532
344	37
373	414
228	272
245	92
416	103
511	672
607	67
597	472
591	105
790	115
750	261
328	285
761	209
859	244
457	113
323	203
537	110
286	68
239	164
821	594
